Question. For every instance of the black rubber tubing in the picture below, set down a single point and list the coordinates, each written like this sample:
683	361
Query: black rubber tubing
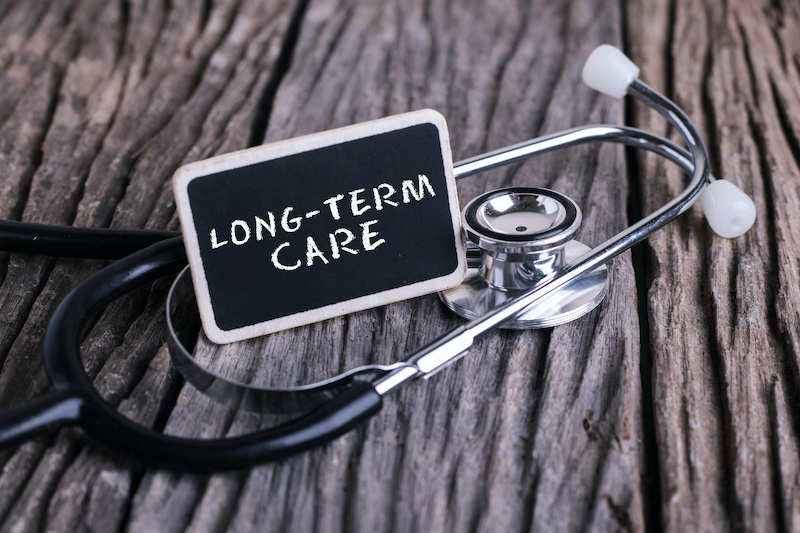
74	400
66	241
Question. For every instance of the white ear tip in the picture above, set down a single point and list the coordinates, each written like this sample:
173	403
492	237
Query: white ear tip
729	211
609	71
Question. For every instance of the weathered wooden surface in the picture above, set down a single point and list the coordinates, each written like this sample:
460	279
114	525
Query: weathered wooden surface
672	411
724	324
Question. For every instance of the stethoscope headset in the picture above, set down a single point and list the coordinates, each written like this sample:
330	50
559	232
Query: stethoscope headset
520	277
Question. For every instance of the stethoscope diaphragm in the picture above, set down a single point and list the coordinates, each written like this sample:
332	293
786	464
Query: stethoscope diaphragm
524	235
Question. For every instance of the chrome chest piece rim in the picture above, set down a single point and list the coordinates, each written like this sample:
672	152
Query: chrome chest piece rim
525	234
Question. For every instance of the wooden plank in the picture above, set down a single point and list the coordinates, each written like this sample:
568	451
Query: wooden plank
546	430
723	314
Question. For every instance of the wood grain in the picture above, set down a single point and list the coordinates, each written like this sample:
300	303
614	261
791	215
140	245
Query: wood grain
681	418
723	314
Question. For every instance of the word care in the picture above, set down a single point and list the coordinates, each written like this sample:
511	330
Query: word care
291	233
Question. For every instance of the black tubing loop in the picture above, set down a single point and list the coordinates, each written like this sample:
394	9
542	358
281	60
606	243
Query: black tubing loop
45	414
67	241
106	425
86	301
321	425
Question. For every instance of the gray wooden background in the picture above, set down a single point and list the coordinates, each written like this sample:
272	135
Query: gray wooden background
673	406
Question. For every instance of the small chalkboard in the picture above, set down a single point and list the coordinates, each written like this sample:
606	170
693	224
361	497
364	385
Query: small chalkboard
302	230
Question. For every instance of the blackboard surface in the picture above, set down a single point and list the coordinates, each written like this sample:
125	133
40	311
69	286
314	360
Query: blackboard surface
315	227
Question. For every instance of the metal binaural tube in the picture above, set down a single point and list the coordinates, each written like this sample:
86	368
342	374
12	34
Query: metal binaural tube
624	135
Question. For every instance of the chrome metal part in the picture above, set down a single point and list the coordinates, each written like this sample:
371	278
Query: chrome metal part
525	235
474	297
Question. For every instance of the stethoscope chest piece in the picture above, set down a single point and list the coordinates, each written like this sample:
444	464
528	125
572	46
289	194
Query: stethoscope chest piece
524	235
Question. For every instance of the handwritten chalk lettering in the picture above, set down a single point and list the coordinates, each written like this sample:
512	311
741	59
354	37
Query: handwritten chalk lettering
214	242
334	207
381	199
277	262
240	231
338	247
287	234
262	225
367	235
235	239
418	193
290	225
355	202
314	253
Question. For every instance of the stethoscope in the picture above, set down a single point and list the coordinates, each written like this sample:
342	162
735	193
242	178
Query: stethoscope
525	270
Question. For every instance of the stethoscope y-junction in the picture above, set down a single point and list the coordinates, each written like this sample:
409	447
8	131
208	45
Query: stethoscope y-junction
525	270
